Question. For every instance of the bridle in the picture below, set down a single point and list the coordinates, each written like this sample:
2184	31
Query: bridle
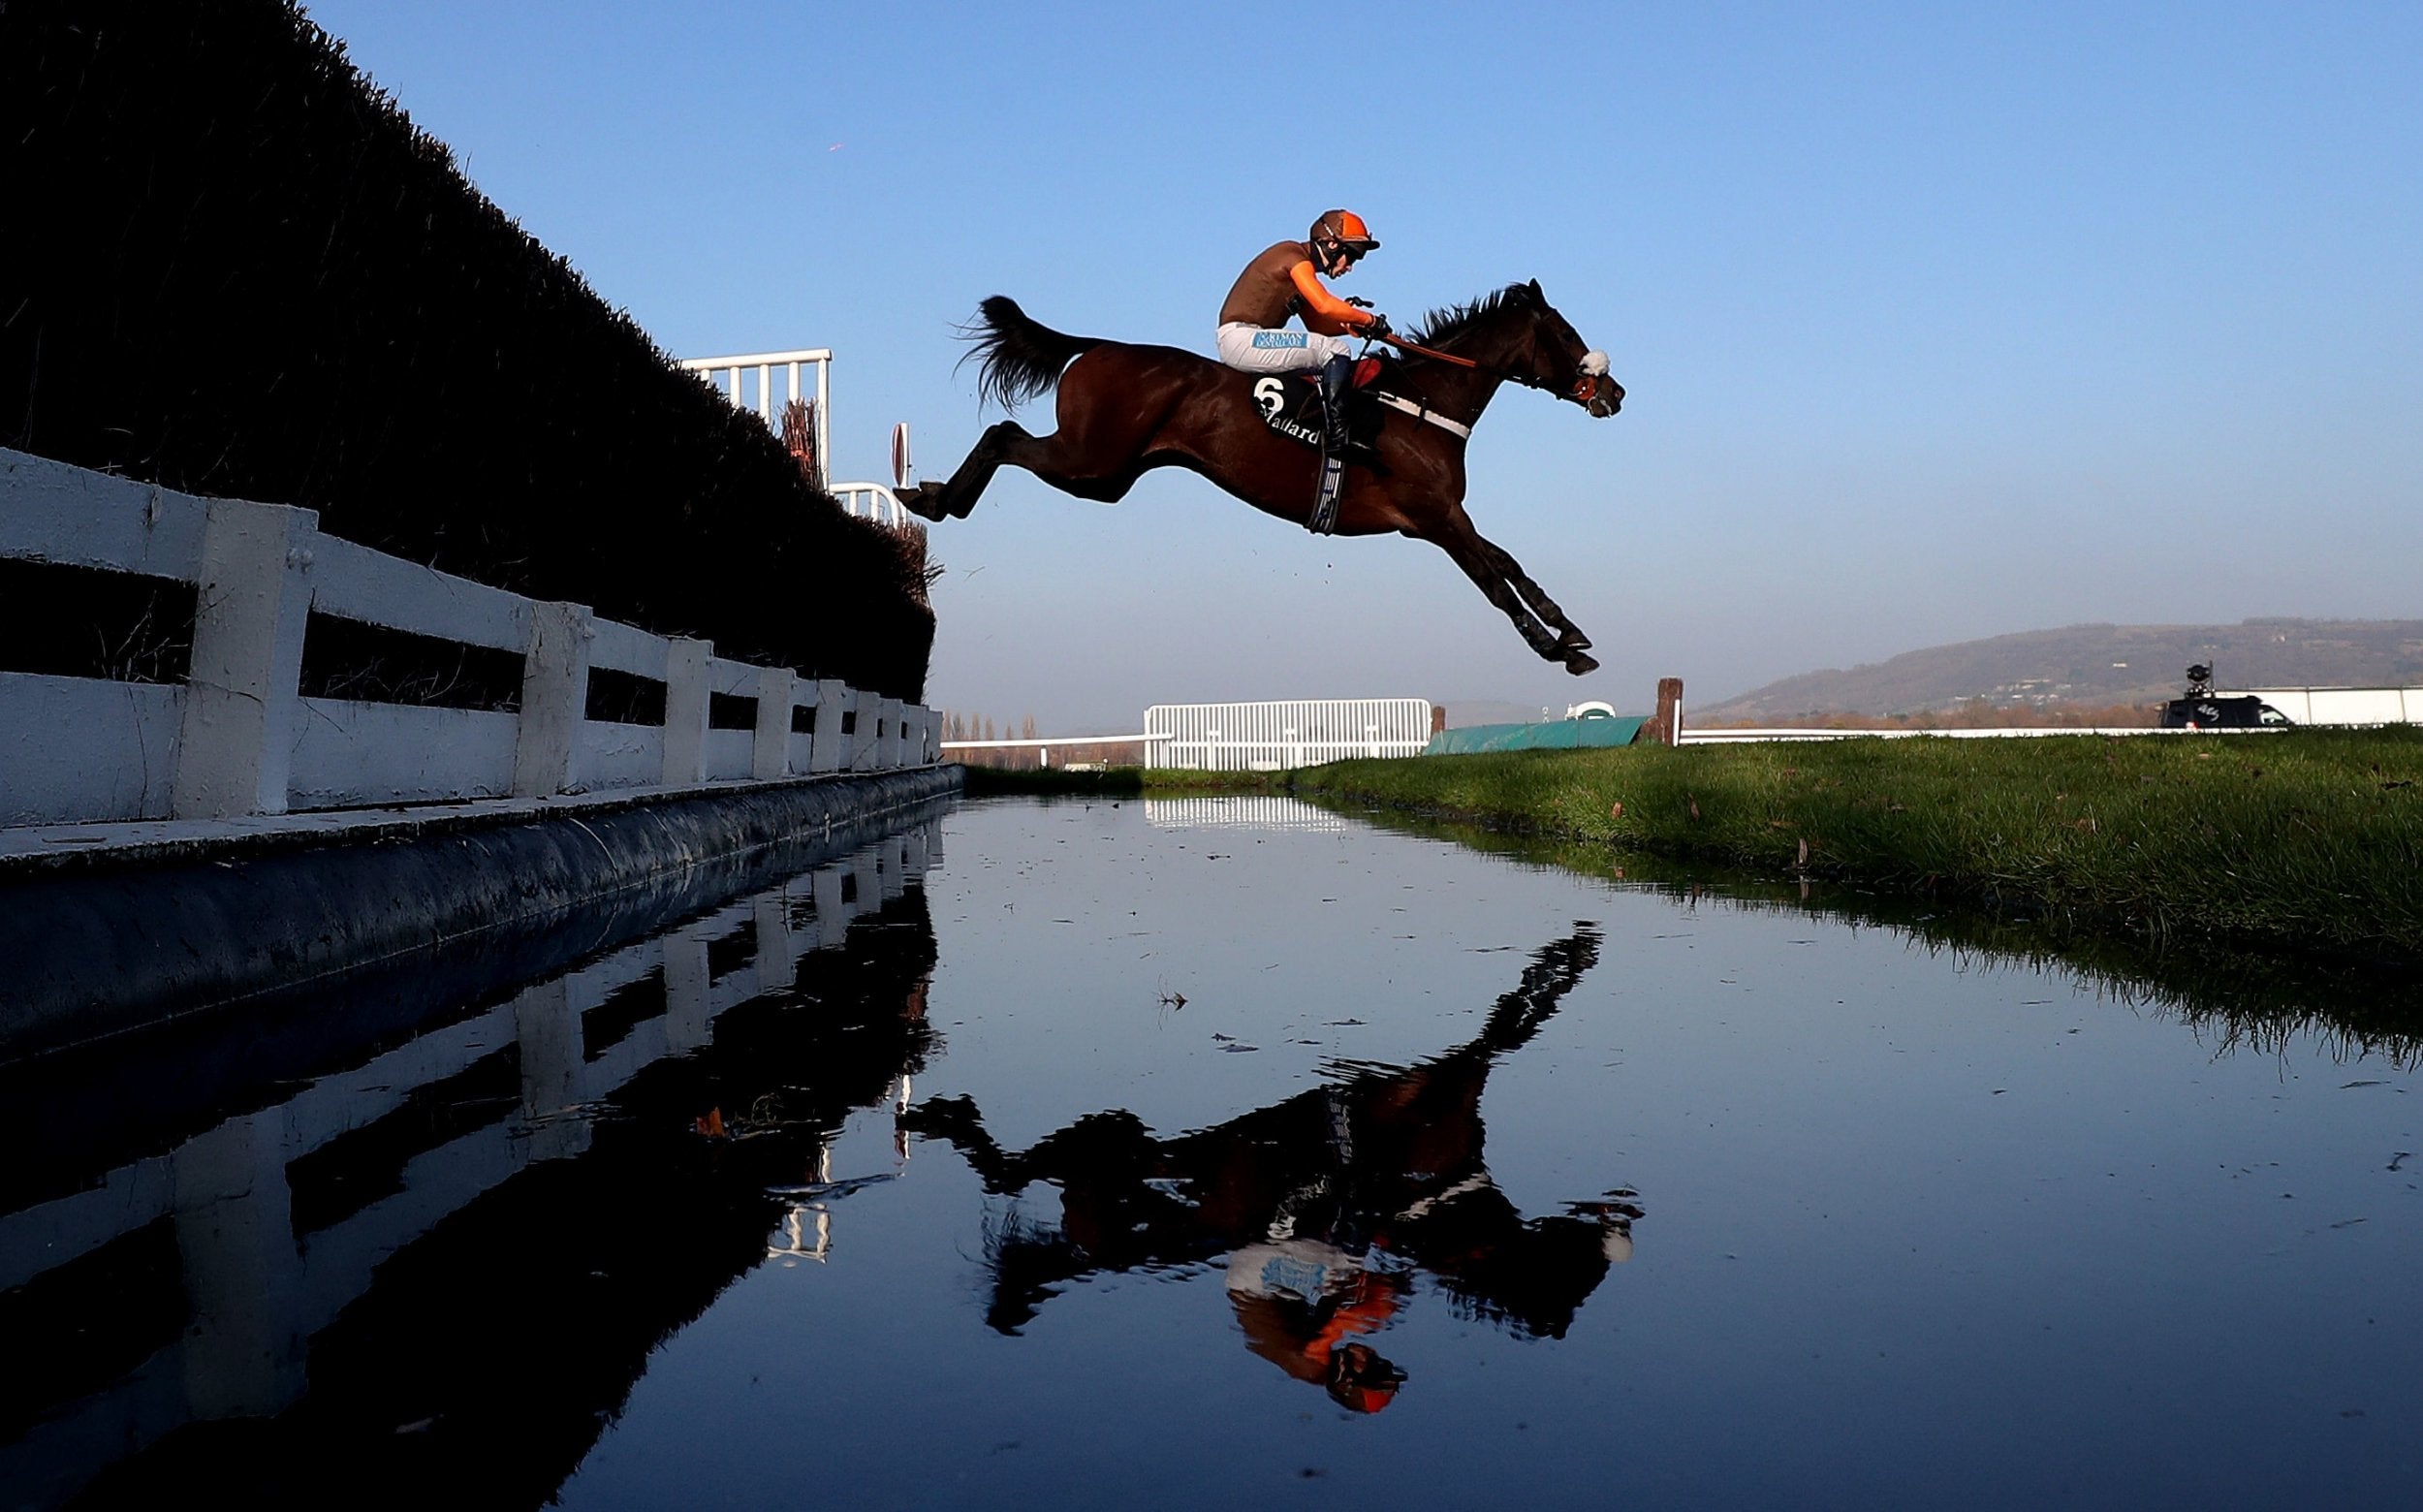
1586	382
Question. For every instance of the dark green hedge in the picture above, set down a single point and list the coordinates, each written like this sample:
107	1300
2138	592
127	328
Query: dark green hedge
234	268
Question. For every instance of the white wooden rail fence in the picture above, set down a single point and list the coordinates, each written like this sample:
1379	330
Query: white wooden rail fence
238	738
1274	735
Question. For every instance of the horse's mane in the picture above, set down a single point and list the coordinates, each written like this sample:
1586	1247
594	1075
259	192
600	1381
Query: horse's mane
1440	326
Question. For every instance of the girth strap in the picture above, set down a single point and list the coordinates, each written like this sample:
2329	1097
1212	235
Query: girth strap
1424	413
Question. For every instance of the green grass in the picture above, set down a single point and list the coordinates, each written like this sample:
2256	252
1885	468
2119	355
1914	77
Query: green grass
2311	837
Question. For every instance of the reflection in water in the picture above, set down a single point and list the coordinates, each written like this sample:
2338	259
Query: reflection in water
667	1219
1325	1205
2241	999
397	1275
1256	812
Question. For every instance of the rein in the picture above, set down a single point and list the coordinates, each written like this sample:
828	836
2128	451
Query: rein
1402	345
1502	374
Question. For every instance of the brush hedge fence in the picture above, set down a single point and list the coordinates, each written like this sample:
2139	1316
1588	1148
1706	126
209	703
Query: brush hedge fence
239	270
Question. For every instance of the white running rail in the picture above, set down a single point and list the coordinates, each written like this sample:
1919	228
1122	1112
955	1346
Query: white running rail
238	738
1279	736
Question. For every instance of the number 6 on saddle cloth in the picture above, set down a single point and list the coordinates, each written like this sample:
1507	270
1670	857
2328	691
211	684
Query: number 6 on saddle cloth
1290	404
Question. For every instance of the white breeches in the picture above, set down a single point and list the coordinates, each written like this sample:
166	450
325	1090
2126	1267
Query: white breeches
1257	349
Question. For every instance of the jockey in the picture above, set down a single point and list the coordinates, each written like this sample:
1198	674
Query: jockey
1285	280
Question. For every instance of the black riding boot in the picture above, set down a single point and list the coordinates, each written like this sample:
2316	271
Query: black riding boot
1334	376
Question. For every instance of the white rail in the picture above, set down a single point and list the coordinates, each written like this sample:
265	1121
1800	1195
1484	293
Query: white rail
729	372
874	501
1278	736
238	738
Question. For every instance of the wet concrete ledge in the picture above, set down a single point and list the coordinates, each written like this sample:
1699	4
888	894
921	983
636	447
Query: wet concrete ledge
107	929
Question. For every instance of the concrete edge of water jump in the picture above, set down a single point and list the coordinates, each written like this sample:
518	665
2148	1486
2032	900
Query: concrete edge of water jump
156	921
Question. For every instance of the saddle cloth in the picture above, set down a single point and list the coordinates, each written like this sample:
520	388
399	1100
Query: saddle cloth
1290	404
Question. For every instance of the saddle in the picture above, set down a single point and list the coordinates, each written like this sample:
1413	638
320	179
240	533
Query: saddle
1290	404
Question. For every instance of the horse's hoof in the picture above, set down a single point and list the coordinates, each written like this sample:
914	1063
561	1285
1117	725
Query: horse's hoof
1579	665
1573	641
924	502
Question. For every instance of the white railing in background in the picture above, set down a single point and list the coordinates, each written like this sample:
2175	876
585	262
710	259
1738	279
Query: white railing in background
1044	747
240	737
730	373
874	501
1273	737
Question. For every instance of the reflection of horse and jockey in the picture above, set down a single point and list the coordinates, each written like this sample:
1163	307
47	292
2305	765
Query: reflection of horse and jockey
1124	409
1326	1206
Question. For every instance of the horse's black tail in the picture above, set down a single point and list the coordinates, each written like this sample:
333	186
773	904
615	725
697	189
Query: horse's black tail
1019	358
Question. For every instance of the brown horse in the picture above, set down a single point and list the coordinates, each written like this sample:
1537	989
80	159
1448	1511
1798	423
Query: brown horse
1124	410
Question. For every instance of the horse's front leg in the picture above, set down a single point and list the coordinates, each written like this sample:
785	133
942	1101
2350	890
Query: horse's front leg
1569	635
956	498
1497	574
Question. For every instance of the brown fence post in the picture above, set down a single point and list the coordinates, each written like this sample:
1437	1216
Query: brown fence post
1665	726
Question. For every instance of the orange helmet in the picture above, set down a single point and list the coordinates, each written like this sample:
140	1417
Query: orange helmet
1345	230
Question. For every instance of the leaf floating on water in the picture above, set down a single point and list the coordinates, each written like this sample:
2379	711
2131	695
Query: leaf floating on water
2399	1158
2346	1223
2344	1086
1241	1050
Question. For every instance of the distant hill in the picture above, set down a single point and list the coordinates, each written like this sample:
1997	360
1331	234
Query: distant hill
2096	665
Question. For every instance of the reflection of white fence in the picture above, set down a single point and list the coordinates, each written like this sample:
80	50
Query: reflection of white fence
263	1279
1246	811
1271	737
237	737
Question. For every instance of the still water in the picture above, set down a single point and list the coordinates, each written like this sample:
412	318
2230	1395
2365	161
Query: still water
1225	1153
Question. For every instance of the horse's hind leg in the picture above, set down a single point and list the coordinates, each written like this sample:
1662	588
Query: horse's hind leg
1009	444
956	497
1497	575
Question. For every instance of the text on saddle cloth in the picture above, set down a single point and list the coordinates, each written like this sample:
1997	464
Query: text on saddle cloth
1290	404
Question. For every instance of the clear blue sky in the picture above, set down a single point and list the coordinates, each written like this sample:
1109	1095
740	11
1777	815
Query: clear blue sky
1939	321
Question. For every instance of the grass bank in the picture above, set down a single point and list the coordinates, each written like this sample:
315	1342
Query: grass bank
2308	838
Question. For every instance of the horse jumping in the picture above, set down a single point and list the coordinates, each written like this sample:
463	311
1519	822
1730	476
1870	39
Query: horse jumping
1125	409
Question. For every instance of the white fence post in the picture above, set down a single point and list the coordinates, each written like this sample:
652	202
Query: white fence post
868	723
825	748
887	750
242	689
770	757
554	699
686	689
